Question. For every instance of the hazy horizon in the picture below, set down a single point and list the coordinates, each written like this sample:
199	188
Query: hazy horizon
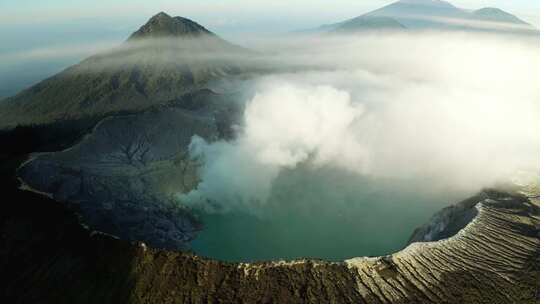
41	39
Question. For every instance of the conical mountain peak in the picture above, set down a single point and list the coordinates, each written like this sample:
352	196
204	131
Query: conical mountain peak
163	25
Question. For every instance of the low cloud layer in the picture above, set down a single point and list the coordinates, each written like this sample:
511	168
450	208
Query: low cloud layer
458	110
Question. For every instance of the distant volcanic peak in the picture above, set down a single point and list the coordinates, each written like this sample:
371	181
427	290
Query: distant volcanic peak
418	9
162	26
436	3
497	15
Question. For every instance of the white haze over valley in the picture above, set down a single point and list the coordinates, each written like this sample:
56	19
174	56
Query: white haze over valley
453	110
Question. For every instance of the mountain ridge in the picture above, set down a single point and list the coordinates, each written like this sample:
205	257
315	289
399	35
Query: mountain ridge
437	14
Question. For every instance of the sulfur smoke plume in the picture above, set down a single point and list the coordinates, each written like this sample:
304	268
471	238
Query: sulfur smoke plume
456	110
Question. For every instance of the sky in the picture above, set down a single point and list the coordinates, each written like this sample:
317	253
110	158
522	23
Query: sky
224	16
39	38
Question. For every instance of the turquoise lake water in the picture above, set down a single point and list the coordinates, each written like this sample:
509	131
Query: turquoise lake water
325	214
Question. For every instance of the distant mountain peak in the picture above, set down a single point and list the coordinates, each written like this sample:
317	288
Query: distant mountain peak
497	15
163	25
161	15
437	3
442	14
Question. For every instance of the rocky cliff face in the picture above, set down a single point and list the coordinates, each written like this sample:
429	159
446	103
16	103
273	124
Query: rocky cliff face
448	221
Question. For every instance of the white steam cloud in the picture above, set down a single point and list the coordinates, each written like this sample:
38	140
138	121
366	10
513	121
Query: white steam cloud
458	110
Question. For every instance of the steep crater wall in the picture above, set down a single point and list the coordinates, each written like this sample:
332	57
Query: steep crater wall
494	259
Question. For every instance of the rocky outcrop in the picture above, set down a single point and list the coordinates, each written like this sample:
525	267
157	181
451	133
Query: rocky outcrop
449	221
